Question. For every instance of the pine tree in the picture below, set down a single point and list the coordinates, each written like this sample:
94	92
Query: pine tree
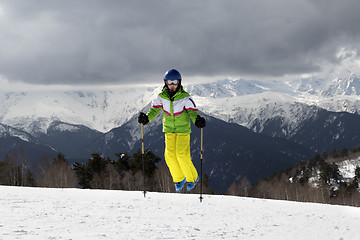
150	161
83	174
97	164
357	173
60	158
355	183
122	164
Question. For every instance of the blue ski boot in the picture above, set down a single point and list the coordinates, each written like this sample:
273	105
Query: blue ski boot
191	185
180	185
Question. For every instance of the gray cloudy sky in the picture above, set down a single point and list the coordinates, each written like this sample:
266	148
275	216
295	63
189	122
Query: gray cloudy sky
89	42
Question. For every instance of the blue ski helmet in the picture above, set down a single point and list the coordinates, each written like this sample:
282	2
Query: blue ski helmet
172	74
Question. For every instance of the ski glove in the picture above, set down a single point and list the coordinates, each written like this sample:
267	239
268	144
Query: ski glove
143	118
200	122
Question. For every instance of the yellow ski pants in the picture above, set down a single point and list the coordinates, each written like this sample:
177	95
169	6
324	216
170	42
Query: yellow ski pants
177	157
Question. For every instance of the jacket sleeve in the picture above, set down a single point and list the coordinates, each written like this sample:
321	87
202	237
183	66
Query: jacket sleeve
192	110
156	107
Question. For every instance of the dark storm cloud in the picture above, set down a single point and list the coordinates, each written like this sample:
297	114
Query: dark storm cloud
95	42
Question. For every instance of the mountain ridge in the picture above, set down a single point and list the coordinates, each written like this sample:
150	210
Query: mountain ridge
104	110
78	123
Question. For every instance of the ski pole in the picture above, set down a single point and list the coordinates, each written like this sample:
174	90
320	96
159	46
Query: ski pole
201	161
142	156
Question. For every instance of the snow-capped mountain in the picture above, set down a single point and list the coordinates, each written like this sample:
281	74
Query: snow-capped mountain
310	85
293	102
101	110
252	111
308	111
343	86
225	89
339	94
248	103
333	87
253	104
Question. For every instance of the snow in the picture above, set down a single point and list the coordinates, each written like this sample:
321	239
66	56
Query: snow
43	213
347	167
66	128
6	130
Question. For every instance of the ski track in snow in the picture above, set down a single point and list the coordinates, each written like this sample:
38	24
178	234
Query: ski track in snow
44	213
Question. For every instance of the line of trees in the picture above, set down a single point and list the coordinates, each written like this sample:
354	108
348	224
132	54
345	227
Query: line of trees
316	180
99	172
124	173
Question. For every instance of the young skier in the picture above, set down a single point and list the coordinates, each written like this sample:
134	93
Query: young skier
178	108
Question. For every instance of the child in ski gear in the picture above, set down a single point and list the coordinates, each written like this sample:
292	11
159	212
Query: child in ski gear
178	109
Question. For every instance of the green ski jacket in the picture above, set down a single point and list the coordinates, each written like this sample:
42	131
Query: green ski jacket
177	111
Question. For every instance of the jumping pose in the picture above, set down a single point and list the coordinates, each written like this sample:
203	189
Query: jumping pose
178	108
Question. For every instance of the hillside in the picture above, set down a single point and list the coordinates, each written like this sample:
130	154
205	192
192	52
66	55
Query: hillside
331	178
39	213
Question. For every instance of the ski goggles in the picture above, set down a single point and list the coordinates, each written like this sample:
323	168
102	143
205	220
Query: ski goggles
172	81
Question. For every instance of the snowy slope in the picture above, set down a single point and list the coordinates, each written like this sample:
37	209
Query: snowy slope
349	85
101	110
250	110
7	131
225	88
347	168
37	213
293	102
340	93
